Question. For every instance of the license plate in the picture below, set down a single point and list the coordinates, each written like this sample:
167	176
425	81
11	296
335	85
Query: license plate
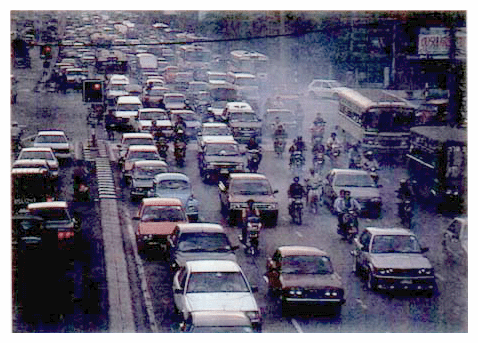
406	282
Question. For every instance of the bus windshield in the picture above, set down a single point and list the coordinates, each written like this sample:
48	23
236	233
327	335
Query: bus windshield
389	119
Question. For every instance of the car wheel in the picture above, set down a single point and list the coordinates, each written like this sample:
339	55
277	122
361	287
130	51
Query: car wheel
371	281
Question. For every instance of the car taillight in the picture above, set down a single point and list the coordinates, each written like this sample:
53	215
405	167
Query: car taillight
65	234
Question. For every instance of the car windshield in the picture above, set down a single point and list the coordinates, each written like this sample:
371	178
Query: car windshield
169	99
148	172
202	241
188	116
32	155
157	92
222	329
51	139
116	87
142	155
395	244
251	187
216	131
222	149
354	180
51	213
128	107
163	214
173	185
243	116
138	141
217	282
306	265
153	115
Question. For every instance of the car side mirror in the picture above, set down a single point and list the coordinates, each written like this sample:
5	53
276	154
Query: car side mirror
178	291
234	247
276	191
379	186
136	218
254	289
425	250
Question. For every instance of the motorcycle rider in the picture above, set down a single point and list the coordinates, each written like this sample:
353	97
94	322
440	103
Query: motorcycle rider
80	180
247	213
313	185
300	145
332	142
253	145
355	158
296	191
369	163
179	126
343	204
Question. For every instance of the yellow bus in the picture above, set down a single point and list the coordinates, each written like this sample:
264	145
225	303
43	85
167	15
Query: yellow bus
376	118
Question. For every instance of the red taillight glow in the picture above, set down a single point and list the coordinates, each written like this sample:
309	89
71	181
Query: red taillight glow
65	234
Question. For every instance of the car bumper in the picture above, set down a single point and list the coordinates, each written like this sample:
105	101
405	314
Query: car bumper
314	301
404	283
139	192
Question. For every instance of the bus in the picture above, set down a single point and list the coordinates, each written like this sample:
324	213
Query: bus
192	57
377	119
111	62
436	163
255	63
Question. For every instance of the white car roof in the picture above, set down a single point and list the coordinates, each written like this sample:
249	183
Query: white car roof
213	266
51	133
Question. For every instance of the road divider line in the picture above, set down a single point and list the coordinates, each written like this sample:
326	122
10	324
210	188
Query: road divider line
140	268
296	325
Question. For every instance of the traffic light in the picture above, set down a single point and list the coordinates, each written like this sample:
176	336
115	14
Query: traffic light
46	51
93	91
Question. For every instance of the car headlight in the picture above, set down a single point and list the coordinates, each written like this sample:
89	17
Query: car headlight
385	271
295	291
236	206
425	271
273	206
240	166
254	316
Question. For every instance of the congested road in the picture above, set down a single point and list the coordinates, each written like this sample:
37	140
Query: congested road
82	286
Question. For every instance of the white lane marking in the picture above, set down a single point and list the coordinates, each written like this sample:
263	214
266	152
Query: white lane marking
296	325
362	304
299	234
440	277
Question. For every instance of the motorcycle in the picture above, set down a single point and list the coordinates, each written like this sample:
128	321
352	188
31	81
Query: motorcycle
295	210
279	146
251	241
318	161
405	212
253	160
163	147
297	160
180	153
349	229
317	134
314	193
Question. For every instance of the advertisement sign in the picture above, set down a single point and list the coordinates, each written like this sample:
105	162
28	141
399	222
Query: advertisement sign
436	43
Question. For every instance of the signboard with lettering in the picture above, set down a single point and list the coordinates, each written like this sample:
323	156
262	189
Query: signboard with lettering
436	43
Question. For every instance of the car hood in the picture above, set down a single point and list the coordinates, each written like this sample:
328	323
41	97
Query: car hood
220	159
126	114
152	228
246	124
182	257
160	123
309	281
142	183
232	301
360	193
257	198
400	261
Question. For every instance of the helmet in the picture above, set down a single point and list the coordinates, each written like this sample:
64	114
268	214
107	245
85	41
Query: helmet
403	181
333	134
296	179
250	202
369	153
312	170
